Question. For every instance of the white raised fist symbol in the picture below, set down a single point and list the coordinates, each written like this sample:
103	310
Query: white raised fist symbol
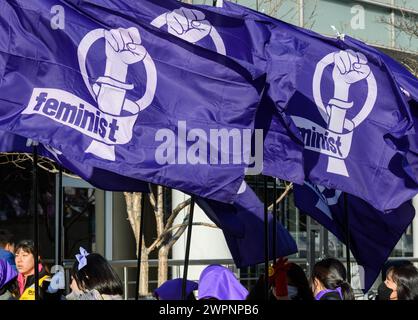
350	67
124	45
188	24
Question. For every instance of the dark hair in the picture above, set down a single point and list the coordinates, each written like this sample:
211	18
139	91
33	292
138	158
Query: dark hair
406	279
29	247
6	237
393	263
332	274
296	277
97	274
257	292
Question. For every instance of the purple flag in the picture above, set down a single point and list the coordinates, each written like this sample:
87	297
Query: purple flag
344	104
277	53
114	92
408	84
246	42
373	234
243	227
224	34
411	149
97	177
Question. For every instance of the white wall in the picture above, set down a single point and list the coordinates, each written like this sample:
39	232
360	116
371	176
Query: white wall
206	243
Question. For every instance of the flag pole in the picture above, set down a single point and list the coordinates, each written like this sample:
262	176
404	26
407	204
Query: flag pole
266	242
59	241
35	214
188	242
274	220
347	238
139	255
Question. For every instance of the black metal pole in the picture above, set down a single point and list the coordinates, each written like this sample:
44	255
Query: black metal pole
188	242
35	215
274	244
139	255
266	241
60	218
347	238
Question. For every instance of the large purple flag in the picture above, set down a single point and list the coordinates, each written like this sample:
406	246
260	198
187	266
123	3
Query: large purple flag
411	145
345	103
242	224
224	34
408	84
248	43
97	177
373	234
114	92
277	53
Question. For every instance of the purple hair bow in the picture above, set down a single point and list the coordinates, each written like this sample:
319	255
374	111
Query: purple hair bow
82	258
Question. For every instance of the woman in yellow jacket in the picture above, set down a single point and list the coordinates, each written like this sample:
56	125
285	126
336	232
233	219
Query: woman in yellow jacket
25	264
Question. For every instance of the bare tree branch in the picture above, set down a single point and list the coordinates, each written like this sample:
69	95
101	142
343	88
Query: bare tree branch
283	195
202	224
160	213
152	200
178	233
161	239
176	211
129	210
407	24
44	163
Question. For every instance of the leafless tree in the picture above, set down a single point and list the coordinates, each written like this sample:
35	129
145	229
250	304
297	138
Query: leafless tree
404	23
167	232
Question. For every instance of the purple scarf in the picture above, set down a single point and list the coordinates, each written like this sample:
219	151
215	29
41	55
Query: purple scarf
220	283
323	292
171	289
7	273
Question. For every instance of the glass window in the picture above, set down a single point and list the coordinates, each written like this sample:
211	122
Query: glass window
16	208
79	220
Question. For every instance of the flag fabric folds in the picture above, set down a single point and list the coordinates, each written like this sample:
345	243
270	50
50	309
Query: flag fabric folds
242	224
97	177
345	104
408	84
117	93
373	234
126	93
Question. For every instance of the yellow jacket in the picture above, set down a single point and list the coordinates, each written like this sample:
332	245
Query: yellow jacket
29	293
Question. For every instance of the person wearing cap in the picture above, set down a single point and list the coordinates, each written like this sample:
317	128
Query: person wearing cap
172	290
219	283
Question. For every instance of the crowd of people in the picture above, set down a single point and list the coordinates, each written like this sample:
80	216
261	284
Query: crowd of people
93	278
287	281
